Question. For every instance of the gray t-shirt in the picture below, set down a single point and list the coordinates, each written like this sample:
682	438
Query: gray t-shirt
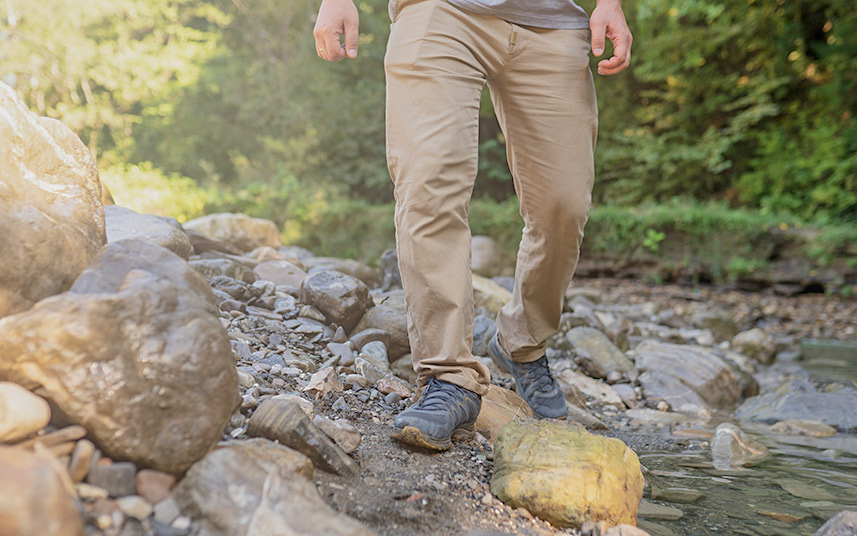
553	14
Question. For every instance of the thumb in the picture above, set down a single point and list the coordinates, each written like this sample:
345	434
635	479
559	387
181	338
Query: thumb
351	37
598	29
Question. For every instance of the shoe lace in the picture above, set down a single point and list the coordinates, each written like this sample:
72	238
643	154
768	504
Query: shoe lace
539	375
439	395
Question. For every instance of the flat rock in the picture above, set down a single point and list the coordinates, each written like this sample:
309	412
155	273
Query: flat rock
499	407
131	353
235	491
341	298
118	479
47	176
731	447
211	268
341	431
842	524
323	382
391	316
280	272
567	456
803	427
273	453
598	390
22	413
284	421
701	370
489	295
40	502
598	347
650	510
242	232
800	399
369	276
124	223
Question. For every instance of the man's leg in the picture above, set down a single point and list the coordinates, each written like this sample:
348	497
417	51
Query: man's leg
438	59
545	102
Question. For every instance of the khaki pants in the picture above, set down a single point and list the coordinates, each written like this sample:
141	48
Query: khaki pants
438	60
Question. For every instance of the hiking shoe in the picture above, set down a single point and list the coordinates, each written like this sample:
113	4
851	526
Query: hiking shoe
535	383
443	411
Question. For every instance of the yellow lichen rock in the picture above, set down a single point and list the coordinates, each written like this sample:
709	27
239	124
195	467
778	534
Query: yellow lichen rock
563	474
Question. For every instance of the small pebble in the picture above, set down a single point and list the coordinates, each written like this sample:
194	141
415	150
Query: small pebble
393	398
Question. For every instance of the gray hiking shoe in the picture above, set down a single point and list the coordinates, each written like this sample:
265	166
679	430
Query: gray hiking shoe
443	411
535	383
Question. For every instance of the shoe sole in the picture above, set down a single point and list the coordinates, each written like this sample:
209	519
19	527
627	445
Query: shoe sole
414	436
496	355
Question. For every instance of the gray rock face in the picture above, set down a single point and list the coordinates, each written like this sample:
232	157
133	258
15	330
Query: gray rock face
801	400
391	278
34	499
701	370
131	353
343	299
124	223
50	206
842	524
390	315
243	232
281	273
598	347
211	268
660	386
731	447
284	421
236	491
483	329
355	269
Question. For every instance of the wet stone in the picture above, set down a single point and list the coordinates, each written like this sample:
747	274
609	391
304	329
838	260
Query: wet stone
650	510
731	447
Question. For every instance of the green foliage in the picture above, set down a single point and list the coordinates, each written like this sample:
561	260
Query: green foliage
149	190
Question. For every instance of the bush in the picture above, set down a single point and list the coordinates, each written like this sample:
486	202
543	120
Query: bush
149	190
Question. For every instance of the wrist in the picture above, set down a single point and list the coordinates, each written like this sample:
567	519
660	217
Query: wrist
609	3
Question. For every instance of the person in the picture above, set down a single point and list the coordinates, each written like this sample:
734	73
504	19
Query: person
534	57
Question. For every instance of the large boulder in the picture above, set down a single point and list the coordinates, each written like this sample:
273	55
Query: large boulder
592	344
133	353
356	269
499	407
50	206
243	232
563	474
341	298
241	491
123	223
800	399
701	370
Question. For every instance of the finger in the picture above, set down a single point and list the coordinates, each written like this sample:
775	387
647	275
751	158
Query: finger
321	43
598	30
333	48
352	35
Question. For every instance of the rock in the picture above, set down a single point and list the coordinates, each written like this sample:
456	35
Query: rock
650	510
131	353
211	268
47	177
842	524
670	389
349	267
720	323
731	447
284	421
499	407
304	404
799	399
365	336
281	273
404	368
81	460
377	351
243	232
135	506
240	491
485	256
343	299
701	370
123	223
598	347
341	431
322	382
489	295
677	495
391	278
484	329
40	502
570	380
391	316
369	370
625	530
166	511
583	417
756	344
394	385
154	486
273	453
656	417
119	478
593	295
804	491
22	413
579	476
803	427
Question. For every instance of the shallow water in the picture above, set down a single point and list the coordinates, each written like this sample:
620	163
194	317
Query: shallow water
806	481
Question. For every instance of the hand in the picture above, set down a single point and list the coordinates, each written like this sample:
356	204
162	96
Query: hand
608	21
335	18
